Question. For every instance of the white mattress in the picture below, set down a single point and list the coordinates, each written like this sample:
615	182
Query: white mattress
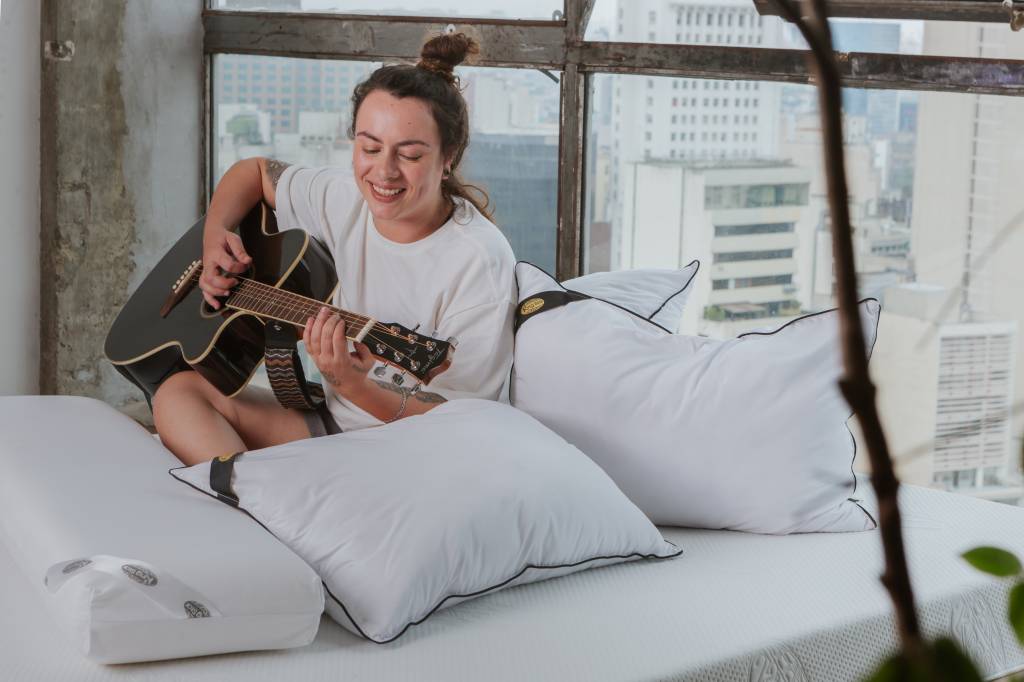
733	607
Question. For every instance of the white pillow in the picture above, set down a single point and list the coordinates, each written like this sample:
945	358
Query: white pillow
747	433
656	294
130	563
407	518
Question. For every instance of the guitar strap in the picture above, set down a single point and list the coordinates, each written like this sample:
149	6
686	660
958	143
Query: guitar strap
543	302
284	369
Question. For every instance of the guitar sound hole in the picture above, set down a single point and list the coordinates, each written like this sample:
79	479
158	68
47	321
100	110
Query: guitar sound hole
207	312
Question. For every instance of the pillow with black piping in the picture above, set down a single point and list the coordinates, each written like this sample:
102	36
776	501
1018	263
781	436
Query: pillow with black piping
656	294
420	514
746	434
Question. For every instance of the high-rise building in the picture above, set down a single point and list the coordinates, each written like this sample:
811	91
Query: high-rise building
966	225
519	171
945	393
286	87
695	119
745	221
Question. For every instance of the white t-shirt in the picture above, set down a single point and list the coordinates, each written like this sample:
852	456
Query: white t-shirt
457	282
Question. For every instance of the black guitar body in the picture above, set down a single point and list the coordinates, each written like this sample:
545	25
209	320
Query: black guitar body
225	346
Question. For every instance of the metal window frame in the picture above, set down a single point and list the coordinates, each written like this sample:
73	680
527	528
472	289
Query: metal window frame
559	44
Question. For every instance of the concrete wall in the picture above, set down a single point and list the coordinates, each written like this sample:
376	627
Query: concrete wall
121	166
19	196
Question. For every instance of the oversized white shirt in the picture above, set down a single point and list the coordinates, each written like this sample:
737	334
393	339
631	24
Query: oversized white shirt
459	282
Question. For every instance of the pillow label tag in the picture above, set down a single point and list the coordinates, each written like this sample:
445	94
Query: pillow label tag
544	301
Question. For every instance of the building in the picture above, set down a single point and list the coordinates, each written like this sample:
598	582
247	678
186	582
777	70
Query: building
284	88
745	221
945	392
965	230
695	119
512	166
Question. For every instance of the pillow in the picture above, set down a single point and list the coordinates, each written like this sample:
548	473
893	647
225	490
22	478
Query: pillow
747	433
407	518
130	564
657	294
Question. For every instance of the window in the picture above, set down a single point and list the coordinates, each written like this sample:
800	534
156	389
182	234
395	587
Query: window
735	256
768	280
755	196
747	190
511	163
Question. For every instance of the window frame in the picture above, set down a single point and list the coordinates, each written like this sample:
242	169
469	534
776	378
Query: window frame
558	45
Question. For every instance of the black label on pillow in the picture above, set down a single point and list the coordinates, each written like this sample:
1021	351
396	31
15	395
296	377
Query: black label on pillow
221	469
542	302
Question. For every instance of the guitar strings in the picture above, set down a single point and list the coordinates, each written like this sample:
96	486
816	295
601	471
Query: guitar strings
253	299
307	305
258	292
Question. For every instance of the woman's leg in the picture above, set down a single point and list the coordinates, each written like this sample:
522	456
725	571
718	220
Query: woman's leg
197	422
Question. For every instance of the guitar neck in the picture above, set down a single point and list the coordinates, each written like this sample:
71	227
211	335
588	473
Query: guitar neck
267	301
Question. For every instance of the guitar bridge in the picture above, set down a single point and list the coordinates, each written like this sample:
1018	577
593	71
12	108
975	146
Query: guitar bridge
180	288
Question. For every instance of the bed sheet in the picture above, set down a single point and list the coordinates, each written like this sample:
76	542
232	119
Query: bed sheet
735	606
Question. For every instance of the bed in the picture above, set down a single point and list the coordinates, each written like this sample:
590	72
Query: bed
736	606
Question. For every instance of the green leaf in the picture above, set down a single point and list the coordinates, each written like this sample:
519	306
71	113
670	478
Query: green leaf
896	669
946	662
993	560
952	663
1017	611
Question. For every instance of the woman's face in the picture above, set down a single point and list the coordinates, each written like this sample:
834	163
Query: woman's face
397	158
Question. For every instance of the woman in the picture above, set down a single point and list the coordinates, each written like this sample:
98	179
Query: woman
410	243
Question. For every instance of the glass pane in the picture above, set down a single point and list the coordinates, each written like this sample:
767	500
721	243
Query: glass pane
730	173
496	9
736	22
298	111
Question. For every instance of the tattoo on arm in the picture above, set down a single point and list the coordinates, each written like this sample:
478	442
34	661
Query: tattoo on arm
430	398
388	386
422	396
274	170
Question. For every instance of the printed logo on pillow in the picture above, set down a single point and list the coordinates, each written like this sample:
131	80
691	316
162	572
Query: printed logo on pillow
531	306
75	565
196	610
139	574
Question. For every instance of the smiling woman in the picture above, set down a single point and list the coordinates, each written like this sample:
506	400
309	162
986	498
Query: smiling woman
411	243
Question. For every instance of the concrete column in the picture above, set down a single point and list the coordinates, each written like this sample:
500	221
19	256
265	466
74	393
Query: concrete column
121	167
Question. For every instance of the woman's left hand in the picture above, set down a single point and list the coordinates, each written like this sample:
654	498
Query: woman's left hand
327	345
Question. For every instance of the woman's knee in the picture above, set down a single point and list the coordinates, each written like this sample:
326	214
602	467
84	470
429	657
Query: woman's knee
186	387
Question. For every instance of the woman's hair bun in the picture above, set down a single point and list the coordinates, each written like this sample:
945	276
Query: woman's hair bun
443	53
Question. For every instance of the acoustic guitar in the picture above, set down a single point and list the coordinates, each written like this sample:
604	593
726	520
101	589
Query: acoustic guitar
167	326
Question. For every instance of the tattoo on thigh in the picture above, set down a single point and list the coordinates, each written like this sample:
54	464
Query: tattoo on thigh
274	170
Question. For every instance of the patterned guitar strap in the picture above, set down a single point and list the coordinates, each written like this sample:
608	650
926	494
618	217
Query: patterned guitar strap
284	369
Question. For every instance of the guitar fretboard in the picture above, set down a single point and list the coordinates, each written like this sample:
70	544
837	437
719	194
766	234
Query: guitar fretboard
267	301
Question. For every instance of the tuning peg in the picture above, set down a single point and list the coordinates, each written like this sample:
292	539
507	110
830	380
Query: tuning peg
454	342
379	370
398	379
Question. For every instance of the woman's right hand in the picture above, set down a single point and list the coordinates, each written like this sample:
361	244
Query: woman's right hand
223	254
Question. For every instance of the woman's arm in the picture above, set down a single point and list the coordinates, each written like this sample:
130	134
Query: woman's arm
243	185
347	372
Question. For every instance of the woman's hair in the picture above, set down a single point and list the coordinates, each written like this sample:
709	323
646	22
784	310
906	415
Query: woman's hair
433	81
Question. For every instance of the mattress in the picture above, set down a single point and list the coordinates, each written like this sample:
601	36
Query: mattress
735	606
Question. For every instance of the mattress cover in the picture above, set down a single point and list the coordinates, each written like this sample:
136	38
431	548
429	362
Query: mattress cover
736	606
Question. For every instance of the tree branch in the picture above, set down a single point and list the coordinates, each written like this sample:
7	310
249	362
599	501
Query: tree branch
856	384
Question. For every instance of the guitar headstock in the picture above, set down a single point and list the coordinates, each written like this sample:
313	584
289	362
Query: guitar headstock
422	356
